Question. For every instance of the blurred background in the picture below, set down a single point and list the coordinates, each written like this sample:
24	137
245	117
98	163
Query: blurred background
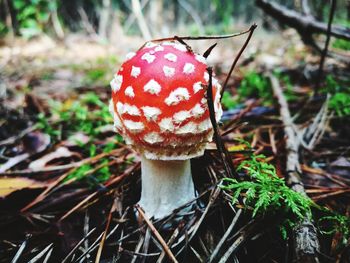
109	19
94	35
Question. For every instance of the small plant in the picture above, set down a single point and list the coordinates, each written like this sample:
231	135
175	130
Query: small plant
336	224
287	83
340	103
340	99
341	44
228	101
95	75
3	29
99	71
255	85
332	85
265	191
86	114
91	175
33	15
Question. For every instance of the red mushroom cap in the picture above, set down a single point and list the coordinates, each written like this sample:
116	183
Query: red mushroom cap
158	102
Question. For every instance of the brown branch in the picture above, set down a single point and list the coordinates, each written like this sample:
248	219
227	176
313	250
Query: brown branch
306	242
304	24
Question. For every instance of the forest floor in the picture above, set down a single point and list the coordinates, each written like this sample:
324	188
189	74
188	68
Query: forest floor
68	183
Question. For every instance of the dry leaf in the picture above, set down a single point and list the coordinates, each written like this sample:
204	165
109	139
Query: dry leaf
9	185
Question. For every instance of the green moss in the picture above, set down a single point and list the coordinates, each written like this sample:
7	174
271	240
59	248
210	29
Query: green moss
265	191
267	194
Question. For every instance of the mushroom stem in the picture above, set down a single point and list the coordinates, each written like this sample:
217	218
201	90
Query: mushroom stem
166	185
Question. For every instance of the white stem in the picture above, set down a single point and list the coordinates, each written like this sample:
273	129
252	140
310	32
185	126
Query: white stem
166	185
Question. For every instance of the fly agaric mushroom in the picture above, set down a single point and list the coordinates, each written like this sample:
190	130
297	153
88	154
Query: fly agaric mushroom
159	106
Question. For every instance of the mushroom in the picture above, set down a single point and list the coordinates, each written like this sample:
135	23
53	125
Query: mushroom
159	107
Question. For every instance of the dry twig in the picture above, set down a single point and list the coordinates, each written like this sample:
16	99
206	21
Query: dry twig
156	233
306	242
325	49
305	25
103	239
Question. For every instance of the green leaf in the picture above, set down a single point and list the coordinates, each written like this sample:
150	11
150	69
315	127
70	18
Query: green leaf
18	4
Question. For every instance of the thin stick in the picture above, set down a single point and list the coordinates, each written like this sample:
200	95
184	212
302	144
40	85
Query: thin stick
103	239
94	245
227	127
109	183
42	196
325	50
227	162
203	37
45	193
332	194
137	249
67	166
242	235
156	234
48	255
20	250
251	31
225	236
213	196
177	38
78	245
170	242
16	137
41	254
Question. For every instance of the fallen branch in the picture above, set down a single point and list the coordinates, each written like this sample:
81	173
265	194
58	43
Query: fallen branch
306	25
306	243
